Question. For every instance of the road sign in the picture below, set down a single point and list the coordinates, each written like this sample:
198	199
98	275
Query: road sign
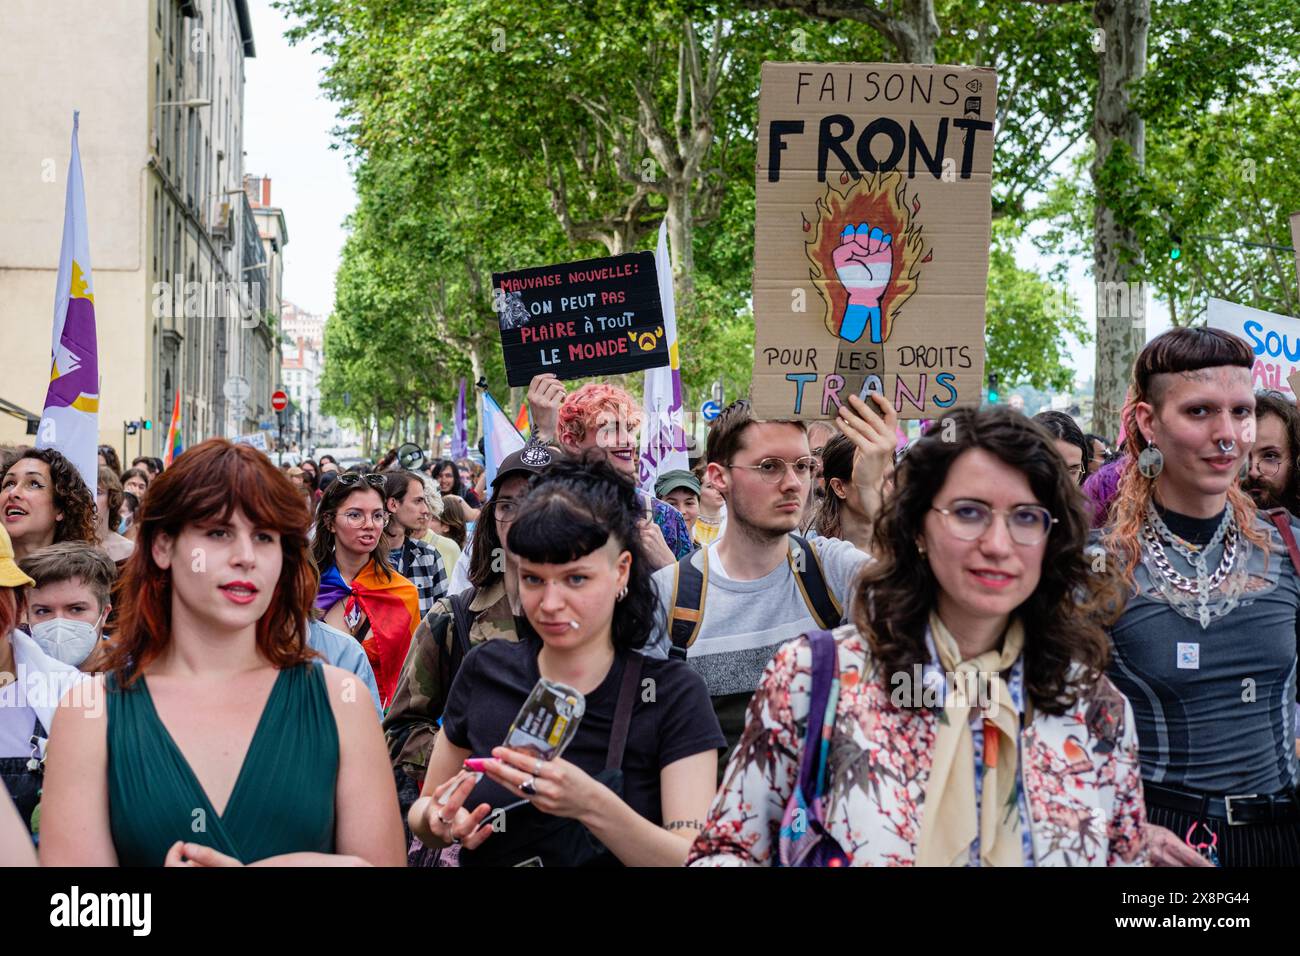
710	410
237	389
279	400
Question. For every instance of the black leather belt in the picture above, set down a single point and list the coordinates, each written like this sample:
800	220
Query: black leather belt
1238	809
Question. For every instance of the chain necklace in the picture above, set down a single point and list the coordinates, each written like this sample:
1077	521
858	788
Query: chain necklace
1156	535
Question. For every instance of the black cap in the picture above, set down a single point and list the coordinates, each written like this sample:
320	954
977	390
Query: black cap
533	459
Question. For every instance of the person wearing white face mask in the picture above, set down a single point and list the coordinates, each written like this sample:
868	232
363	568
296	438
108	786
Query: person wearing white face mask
69	604
31	683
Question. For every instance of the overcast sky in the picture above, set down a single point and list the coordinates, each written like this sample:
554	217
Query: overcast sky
287	123
287	137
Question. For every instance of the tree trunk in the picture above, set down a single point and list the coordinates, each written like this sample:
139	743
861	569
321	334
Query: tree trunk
916	31
1122	60
681	245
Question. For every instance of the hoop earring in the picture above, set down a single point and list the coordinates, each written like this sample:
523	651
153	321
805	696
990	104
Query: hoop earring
1151	462
622	593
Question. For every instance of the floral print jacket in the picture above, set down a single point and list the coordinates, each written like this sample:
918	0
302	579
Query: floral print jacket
1079	771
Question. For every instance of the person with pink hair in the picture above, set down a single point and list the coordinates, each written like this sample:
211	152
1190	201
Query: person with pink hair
605	418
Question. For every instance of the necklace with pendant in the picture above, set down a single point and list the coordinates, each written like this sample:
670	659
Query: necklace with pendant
1156	536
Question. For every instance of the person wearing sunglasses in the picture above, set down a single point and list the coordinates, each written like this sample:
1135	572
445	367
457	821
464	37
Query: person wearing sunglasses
360	594
1274	480
972	723
728	607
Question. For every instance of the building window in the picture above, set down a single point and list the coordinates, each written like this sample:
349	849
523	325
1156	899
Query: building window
157	231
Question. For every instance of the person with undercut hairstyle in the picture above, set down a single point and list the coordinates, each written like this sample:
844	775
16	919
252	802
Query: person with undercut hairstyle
1205	649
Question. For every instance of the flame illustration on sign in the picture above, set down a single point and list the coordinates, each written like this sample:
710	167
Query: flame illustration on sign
865	251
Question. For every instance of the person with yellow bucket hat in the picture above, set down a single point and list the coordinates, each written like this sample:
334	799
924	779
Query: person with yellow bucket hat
31	684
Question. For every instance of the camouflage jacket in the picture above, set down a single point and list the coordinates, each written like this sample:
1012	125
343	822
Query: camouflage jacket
413	717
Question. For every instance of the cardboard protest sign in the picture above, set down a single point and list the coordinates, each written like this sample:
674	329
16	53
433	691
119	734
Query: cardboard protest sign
577	319
1274	338
873	223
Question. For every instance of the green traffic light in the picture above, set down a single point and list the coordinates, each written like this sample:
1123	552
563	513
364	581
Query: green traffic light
1175	253
148	425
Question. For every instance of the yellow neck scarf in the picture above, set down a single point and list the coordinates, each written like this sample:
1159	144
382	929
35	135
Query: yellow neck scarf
949	826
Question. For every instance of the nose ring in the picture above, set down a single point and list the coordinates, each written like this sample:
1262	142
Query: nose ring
1226	446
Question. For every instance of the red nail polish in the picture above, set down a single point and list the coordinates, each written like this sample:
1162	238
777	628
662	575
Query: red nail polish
475	764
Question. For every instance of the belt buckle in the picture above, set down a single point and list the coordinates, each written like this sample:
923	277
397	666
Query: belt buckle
1227	806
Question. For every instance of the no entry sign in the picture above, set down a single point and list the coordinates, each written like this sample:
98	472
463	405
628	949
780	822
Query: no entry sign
279	400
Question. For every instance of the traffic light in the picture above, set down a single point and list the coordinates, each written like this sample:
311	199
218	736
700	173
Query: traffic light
147	425
993	388
1175	247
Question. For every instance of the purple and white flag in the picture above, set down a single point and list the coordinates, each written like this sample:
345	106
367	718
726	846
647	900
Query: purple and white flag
459	445
70	421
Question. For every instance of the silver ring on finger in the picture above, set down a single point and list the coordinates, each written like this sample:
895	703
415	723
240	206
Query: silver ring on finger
529	786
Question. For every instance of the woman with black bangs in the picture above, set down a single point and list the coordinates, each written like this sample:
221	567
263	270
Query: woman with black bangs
640	771
964	717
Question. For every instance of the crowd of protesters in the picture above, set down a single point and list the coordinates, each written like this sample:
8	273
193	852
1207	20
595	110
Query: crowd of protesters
1007	642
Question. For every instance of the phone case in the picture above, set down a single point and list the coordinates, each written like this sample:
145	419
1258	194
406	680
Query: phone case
547	722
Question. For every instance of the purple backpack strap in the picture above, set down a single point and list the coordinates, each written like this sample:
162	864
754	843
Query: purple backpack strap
824	670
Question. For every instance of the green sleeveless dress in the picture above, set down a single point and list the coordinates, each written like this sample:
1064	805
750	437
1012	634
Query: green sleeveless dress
283	800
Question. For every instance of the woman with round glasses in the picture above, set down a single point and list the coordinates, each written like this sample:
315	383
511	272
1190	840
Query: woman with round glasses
360	593
964	718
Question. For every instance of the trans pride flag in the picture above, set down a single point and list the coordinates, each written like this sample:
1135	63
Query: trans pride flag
70	421
500	438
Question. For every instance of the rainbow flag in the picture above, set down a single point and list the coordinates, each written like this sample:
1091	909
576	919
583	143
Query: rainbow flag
521	421
70	420
174	445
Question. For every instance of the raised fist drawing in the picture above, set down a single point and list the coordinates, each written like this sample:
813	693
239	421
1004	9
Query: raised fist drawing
863	262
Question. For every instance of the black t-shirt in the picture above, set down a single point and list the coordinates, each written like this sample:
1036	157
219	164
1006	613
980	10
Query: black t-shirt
672	718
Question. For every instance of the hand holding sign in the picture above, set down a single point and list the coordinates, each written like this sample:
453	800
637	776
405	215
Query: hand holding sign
863	261
545	395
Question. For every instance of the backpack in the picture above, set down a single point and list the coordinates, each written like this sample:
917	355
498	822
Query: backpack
690	585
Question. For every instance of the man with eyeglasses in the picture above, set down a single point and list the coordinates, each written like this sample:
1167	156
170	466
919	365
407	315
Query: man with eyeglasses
728	607
414	560
1272	479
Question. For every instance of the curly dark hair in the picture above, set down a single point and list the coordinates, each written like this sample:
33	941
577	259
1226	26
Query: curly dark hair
71	496
1063	619
575	508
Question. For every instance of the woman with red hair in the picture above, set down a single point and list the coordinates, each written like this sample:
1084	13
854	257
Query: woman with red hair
606	418
215	738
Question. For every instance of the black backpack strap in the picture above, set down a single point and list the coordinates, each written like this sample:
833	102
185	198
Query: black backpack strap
461	619
623	711
826	611
689	586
